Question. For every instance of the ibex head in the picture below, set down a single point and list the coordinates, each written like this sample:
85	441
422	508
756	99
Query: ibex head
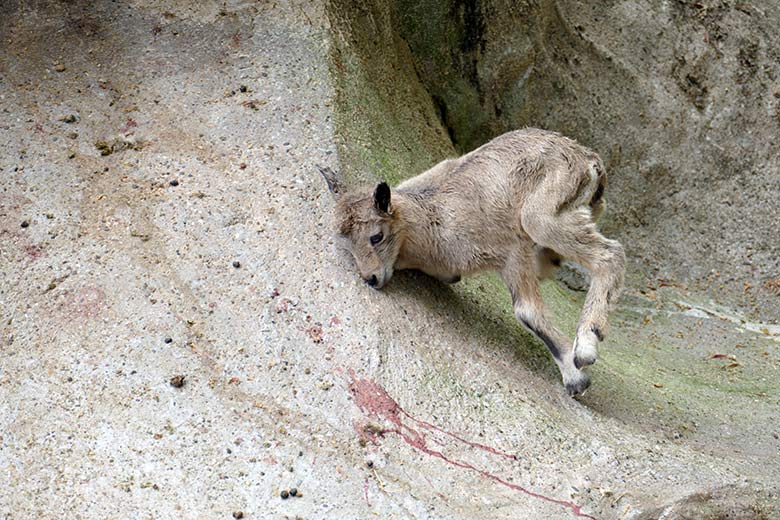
366	218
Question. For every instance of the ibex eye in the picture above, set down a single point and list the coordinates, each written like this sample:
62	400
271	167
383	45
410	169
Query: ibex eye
375	239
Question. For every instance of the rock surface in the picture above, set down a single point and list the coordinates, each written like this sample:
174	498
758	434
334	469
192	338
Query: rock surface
681	99
421	401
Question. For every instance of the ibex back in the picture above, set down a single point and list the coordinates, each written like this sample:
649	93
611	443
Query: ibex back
516	205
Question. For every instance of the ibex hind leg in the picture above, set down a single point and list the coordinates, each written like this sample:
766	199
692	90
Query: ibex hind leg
521	278
572	233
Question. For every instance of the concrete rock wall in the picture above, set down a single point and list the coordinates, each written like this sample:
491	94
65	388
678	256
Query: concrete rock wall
180	337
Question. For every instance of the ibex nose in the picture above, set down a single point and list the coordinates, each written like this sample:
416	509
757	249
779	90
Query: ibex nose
372	281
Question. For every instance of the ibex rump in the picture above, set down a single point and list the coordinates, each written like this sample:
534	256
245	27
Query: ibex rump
516	205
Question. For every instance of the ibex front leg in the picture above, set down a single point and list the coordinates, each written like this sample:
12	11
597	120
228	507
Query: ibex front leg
519	273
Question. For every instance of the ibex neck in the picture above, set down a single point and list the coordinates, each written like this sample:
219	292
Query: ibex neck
418	219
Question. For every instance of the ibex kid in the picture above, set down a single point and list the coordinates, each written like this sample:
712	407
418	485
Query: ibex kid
516	205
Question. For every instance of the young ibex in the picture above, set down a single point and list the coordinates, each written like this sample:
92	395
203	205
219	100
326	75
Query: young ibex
516	205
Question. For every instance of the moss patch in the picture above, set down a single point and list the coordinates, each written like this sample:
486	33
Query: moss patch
386	125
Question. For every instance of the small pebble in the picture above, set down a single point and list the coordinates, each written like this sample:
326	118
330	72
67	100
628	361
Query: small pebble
177	381
238	514
236	264
70	118
70	379
168	340
242	166
59	67
293	492
370	464
174	182
242	88
25	224
284	494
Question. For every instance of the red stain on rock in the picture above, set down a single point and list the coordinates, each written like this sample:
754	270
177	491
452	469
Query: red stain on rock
282	306
374	401
34	252
87	302
334	321
365	492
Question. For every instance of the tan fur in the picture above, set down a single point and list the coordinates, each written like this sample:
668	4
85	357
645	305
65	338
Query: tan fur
516	205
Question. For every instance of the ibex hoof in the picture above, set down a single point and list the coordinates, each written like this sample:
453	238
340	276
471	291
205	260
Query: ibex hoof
585	351
578	386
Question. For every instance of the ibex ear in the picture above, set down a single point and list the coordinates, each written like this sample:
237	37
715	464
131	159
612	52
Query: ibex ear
333	179
382	197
